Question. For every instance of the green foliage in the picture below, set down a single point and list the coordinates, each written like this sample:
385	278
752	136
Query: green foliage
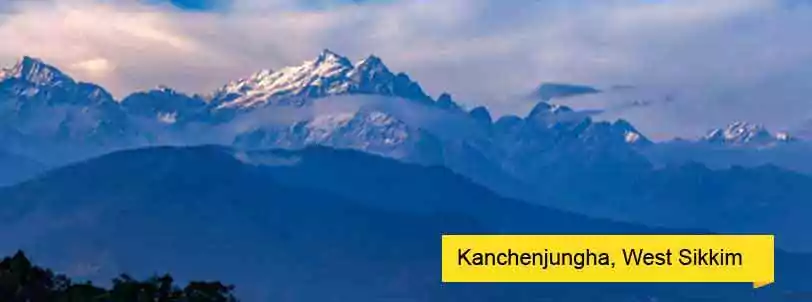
22	281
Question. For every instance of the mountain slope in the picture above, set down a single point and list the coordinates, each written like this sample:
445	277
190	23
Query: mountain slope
15	168
369	130
45	113
271	223
734	200
685	196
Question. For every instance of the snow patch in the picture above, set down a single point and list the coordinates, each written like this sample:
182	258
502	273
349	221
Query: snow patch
632	137
168	118
743	133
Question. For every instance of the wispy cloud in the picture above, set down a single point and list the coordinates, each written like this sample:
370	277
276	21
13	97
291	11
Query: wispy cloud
729	59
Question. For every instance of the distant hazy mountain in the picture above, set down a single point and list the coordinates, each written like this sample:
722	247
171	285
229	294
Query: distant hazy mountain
746	134
738	144
313	225
46	114
168	106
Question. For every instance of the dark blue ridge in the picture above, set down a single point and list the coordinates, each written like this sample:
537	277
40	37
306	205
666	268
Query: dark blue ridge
312	225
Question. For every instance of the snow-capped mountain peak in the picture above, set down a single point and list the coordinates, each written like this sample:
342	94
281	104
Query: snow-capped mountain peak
328	74
630	134
369	70
35	81
744	133
371	64
35	71
307	80
632	137
329	57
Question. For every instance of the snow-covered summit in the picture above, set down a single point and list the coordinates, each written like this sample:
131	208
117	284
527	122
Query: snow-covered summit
630	134
369	69
741	133
47	111
322	74
326	75
34	81
35	71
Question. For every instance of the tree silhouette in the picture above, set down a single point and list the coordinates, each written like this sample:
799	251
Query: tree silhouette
22	281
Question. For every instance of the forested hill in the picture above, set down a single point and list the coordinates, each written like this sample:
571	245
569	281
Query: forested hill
23	281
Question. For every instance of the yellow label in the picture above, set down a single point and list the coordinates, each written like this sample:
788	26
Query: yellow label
609	258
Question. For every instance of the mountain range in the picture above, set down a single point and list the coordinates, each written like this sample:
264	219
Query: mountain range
738	144
282	223
44	109
554	155
33	88
340	176
326	101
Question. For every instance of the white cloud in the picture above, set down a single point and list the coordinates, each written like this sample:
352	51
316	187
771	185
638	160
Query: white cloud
98	68
731	59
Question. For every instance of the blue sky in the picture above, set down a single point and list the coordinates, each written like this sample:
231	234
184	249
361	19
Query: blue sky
724	60
199	4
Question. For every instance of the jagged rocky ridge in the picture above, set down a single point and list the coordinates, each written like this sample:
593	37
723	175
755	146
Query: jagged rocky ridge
746	134
328	74
85	120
